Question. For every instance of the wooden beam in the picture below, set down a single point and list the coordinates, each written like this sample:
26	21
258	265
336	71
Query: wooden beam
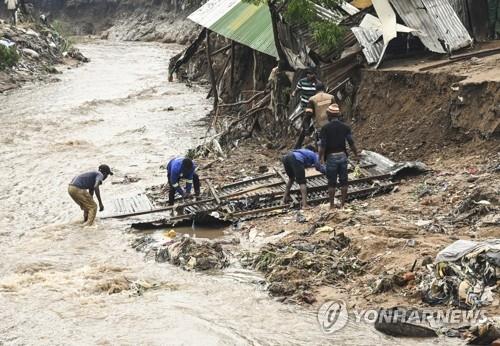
211	72
159	210
212	190
231	80
462	57
223	49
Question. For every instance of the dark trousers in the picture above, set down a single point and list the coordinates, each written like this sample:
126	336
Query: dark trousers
171	190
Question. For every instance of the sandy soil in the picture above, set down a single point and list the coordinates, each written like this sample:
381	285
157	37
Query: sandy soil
396	232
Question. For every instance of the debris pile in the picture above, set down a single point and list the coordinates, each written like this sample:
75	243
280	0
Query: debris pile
190	254
184	252
122	283
478	207
39	49
293	267
464	275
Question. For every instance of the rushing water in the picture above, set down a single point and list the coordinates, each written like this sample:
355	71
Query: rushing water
55	275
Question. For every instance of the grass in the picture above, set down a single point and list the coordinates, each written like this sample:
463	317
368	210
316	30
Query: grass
64	31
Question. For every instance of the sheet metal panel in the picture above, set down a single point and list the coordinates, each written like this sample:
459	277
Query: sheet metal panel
371	42
435	21
128	205
208	14
243	22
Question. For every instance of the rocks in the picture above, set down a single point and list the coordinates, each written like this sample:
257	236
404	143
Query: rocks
31	53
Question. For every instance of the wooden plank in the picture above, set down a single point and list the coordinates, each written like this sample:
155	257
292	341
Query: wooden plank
280	173
244	182
212	190
159	210
462	57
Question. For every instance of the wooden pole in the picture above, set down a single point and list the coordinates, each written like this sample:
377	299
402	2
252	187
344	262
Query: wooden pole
211	73
231	83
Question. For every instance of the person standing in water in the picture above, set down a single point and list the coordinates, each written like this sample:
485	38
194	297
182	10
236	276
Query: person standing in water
82	188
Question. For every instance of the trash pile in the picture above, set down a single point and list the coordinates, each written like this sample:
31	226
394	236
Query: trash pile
464	275
39	48
184	252
293	267
134	287
190	254
478	208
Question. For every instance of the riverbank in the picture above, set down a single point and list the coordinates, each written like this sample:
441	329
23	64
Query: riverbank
34	52
376	253
61	283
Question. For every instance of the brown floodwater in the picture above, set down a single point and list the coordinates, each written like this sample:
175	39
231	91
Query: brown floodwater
58	280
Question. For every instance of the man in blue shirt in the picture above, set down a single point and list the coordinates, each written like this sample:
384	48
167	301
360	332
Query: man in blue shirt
182	168
82	188
295	163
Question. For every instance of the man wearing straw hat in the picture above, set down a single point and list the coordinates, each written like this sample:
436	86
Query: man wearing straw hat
333	150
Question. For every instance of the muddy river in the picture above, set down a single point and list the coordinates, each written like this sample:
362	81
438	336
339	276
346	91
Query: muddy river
55	275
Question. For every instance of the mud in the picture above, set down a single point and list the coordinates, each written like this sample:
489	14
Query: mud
61	283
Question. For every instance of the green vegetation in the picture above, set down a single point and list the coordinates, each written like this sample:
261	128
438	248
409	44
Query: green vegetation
64	31
8	57
300	12
329	36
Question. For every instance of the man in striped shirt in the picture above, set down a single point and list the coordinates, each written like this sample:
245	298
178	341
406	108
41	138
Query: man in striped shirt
306	88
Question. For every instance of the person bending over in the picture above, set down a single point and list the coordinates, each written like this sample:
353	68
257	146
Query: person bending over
182	168
295	163
82	188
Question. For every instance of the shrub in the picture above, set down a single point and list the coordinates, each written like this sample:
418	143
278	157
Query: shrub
328	35
8	57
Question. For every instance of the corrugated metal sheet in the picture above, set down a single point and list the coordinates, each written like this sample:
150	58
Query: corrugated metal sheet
245	23
299	40
371	42
128	205
462	11
436	22
338	14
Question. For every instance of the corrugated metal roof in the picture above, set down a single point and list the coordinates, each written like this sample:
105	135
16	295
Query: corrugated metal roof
336	15
462	11
436	21
239	21
369	41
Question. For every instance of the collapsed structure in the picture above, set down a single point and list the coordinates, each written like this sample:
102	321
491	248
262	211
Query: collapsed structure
256	196
374	32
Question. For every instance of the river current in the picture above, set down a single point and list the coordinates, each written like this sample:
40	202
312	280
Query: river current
56	276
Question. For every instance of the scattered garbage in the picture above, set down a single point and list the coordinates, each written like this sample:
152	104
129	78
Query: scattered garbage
191	254
464	274
293	267
39	48
484	334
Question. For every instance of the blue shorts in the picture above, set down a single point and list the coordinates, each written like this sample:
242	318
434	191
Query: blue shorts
336	166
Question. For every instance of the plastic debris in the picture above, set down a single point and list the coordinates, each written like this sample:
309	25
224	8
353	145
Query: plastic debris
464	275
